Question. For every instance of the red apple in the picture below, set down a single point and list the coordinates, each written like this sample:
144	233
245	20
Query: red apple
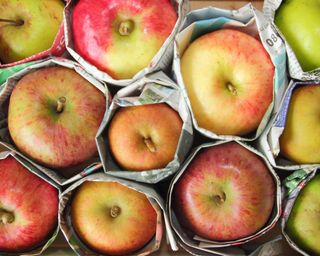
144	137
28	208
228	76
121	37
111	218
54	115
225	193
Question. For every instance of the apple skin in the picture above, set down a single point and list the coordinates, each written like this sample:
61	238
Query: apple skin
56	140
303	225
300	140
95	28
226	193
228	76
123	234
299	22
42	20
144	137
33	203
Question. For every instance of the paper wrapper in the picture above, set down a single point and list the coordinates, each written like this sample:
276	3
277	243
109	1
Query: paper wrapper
40	249
268	142
73	173
269	9
156	88
248	20
199	245
293	184
58	48
161	61
157	202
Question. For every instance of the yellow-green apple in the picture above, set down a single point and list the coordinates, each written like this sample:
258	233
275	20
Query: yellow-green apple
303	225
54	115
226	193
144	137
28	27
121	37
228	76
300	140
111	218
299	22
28	208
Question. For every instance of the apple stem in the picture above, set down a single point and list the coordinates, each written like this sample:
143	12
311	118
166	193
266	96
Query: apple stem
150	145
60	104
219	199
14	22
232	89
126	27
6	217
115	211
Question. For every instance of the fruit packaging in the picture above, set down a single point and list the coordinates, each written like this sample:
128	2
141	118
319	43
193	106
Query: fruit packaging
163	226
249	20
269	9
268	142
198	245
156	88
40	249
5	92
162	60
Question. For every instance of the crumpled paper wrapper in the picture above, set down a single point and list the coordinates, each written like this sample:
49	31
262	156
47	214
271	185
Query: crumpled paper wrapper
161	61
249	20
73	173
200	246
40	249
156	88
268	142
157	202
269	9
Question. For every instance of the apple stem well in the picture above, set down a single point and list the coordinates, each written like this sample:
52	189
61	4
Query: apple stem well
150	145
6	217
60	104
13	22
126	27
115	211
220	198
232	89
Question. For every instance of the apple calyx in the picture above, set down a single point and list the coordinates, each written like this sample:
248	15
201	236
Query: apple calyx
13	22
150	145
232	89
126	27
219	198
115	211
60	104
6	217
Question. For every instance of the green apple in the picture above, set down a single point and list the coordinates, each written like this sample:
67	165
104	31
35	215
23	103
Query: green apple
299	22
28	27
303	225
300	140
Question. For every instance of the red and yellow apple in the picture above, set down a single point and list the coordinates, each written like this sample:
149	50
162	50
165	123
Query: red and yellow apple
54	115
144	137
111	218
121	37
228	77
28	27
226	193
28	208
300	140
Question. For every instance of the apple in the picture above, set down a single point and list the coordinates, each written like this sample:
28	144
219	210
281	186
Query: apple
300	140
299	22
28	27
144	137
121	37
225	193
28	208
303	225
54	115
111	218
228	76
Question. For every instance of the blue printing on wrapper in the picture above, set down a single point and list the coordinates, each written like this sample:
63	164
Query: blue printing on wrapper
280	62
